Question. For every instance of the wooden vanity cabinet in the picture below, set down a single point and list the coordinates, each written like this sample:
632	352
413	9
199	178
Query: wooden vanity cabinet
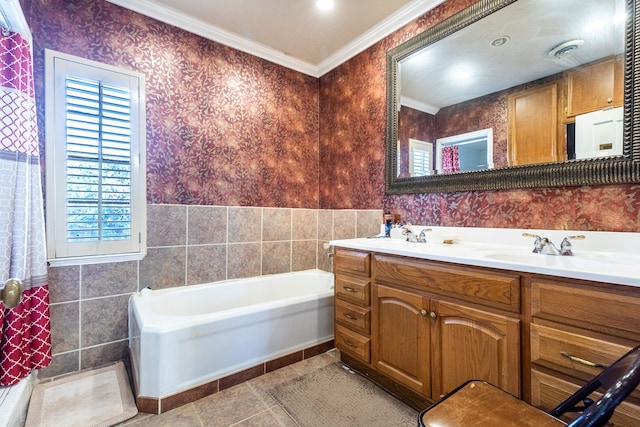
421	328
595	86
431	343
594	323
352	287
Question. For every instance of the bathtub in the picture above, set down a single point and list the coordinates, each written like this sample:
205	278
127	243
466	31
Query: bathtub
182	338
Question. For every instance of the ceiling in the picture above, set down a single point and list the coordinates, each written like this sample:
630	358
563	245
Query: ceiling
293	33
470	64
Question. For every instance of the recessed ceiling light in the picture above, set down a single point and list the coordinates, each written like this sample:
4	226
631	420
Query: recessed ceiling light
499	41
566	48
325	4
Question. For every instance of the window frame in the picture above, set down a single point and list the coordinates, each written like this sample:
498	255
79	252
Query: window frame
483	135
422	147
60	252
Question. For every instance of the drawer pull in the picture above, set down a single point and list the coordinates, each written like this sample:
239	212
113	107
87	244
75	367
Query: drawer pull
350	289
349	316
349	343
582	361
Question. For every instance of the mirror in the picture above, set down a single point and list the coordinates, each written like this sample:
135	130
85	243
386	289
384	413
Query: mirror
479	134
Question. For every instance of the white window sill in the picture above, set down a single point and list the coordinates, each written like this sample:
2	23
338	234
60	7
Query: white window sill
96	259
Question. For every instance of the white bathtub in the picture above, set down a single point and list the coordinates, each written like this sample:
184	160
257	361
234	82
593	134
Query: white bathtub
184	337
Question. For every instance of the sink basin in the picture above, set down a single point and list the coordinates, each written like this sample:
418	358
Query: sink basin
586	261
401	244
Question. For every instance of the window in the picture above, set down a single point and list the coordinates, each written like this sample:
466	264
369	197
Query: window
475	150
420	157
95	159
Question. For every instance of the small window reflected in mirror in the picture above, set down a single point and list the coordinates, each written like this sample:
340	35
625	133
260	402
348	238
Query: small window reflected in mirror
471	151
421	158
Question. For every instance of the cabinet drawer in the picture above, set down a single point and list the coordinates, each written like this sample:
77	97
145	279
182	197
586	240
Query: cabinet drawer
357	318
352	262
606	310
548	391
548	344
486	287
353	289
353	344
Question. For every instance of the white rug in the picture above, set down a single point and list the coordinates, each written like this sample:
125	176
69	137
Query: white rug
100	397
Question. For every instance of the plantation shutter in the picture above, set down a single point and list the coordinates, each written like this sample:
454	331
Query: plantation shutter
98	141
421	158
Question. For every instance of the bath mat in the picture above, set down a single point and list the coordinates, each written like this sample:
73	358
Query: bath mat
99	397
337	396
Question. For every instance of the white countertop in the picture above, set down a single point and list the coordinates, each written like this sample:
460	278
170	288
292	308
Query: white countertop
610	257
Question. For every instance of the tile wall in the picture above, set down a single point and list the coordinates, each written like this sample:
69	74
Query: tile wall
187	245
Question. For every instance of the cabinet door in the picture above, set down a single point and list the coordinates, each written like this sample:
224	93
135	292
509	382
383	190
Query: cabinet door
533	125
400	337
594	87
470	344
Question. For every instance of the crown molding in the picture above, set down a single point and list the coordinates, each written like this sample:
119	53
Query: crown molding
193	25
402	17
417	105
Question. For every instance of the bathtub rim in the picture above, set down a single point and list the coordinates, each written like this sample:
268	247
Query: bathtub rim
150	321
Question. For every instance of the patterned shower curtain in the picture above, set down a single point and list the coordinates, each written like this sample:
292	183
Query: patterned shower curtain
25	337
450	159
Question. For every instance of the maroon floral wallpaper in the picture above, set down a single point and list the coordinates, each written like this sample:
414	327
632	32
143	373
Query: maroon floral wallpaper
227	128
223	127
352	141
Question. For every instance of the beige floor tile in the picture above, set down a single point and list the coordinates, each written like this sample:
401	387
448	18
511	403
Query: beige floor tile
184	416
245	405
274	417
230	406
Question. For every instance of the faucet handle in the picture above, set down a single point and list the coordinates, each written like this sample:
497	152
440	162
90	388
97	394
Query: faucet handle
538	244
565	246
422	237
578	237
531	235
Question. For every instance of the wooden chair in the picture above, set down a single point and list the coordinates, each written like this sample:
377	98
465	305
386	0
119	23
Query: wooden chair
478	403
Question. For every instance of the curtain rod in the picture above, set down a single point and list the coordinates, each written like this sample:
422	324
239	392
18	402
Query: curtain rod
12	18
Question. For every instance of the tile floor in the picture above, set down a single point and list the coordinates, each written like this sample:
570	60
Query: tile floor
245	405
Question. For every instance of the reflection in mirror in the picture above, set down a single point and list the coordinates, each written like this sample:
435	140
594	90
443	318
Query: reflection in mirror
510	73
545	78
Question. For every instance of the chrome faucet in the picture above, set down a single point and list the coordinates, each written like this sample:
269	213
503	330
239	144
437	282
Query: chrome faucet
422	237
543	245
411	237
565	246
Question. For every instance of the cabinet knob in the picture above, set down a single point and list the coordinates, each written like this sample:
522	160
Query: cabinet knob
609	100
433	315
423	312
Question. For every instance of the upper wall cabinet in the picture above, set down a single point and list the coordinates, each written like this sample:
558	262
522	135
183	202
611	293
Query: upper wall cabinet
595	87
533	125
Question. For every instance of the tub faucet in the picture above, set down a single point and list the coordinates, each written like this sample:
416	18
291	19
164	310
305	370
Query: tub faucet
543	245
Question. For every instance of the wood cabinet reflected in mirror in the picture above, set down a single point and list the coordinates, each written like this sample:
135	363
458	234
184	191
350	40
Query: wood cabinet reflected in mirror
531	109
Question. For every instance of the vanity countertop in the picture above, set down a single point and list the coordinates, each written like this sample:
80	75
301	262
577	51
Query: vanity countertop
610	257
